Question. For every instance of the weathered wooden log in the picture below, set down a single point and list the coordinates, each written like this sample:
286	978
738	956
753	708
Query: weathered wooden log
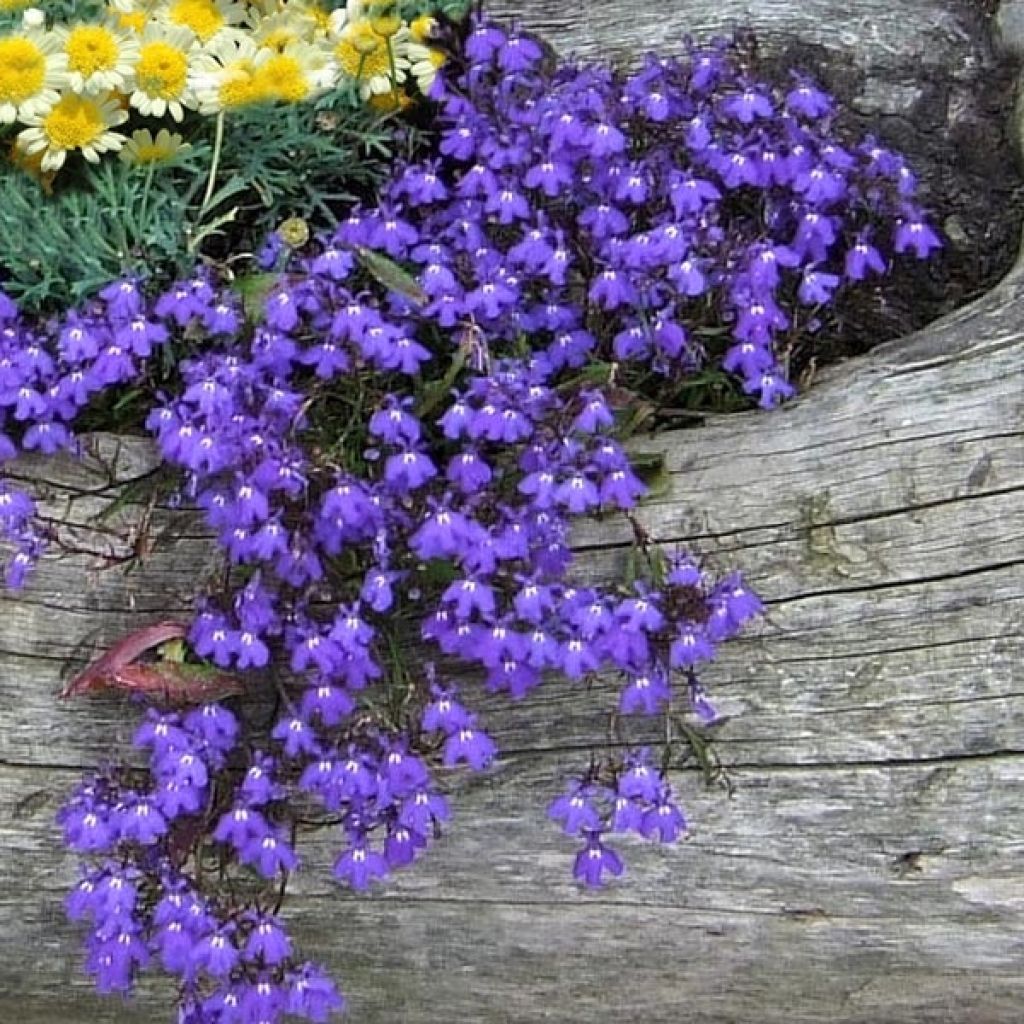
866	867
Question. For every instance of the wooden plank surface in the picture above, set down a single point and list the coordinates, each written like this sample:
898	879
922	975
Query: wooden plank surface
871	33
866	867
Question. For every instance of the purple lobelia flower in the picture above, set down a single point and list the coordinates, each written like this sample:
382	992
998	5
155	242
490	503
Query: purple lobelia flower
596	860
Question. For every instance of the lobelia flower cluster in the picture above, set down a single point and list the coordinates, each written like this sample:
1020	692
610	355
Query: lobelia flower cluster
232	960
652	210
400	439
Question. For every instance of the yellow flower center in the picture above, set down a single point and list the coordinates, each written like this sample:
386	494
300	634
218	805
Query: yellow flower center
436	57
150	153
294	232
279	38
135	21
421	27
75	122
22	69
281	78
201	16
239	86
361	53
91	48
162	70
144	148
321	18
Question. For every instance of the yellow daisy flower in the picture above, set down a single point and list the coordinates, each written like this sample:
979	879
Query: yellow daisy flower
32	71
206	18
161	83
100	58
424	61
420	28
318	18
281	30
14	5
134	15
130	21
299	73
143	148
377	63
224	75
75	122
30	165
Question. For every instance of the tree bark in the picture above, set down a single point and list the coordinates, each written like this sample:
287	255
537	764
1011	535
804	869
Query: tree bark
866	866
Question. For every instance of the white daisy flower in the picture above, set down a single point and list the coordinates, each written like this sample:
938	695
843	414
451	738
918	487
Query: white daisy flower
101	58
75	122
224	74
378	63
300	72
277	31
132	18
207	19
341	16
33	70
33	18
421	28
143	148
161	83
424	63
316	18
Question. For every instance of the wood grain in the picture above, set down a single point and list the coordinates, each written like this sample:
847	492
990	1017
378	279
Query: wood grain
866	867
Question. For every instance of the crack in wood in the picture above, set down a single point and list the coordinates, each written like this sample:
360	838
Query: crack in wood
870	588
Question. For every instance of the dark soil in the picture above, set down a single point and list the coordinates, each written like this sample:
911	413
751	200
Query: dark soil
956	137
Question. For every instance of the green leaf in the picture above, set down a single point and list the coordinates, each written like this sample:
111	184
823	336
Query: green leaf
591	374
434	393
629	576
439	572
173	650
650	468
253	290
659	566
390	274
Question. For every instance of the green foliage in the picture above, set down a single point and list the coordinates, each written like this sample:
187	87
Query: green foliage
306	160
110	220
454	9
410	9
58	10
104	221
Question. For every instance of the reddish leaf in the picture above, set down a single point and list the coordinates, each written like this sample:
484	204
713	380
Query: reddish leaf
99	675
175	683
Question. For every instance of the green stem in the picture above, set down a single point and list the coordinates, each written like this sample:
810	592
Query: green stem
394	72
144	205
218	145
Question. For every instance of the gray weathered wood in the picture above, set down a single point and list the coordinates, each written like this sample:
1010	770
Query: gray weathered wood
867	866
